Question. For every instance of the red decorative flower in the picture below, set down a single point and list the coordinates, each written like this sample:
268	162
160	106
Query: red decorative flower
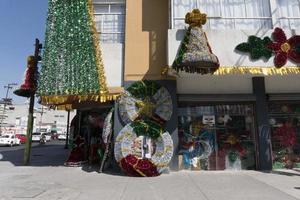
285	48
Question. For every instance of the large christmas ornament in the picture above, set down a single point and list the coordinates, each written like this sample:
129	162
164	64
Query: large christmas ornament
283	48
142	147
31	77
195	54
145	99
72	68
143	156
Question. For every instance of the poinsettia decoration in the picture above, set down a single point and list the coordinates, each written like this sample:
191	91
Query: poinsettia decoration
283	48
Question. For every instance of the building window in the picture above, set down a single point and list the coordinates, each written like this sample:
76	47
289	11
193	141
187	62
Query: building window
225	14
289	13
285	134
216	137
110	20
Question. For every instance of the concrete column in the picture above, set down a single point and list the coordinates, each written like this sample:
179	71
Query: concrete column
262	122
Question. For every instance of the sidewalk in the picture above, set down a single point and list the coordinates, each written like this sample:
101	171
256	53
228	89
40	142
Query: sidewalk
58	182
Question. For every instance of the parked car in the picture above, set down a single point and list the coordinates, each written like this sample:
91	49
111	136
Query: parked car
48	136
36	137
9	140
22	138
62	136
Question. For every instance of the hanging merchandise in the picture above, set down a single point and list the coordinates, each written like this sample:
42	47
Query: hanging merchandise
72	68
131	149
195	54
145	99
283	48
30	82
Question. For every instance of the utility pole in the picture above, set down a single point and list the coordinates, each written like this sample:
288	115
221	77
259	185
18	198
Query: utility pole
5	101
27	151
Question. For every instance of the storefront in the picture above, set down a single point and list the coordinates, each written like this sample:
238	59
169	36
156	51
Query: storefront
285	134
216	137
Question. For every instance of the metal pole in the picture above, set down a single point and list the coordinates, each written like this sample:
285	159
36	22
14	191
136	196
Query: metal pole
27	151
67	138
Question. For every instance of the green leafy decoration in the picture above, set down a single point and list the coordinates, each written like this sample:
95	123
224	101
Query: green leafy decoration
256	47
143	89
147	128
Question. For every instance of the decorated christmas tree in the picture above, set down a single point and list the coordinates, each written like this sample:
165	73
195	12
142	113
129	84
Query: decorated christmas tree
72	68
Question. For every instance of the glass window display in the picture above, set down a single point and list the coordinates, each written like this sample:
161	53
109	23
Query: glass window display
219	137
285	134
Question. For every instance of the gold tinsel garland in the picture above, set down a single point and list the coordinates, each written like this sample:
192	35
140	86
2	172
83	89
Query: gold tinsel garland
226	70
268	71
69	99
99	62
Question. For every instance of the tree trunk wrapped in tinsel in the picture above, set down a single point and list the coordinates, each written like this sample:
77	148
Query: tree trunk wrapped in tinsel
72	68
30	82
195	54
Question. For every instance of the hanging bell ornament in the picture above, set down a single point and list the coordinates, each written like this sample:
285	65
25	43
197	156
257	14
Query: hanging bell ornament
195	54
30	81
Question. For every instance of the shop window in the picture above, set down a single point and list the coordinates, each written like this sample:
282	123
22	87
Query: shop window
225	14
285	134
110	20
216	137
289	13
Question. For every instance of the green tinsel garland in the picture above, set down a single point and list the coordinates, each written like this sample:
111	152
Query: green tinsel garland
69	59
147	128
143	89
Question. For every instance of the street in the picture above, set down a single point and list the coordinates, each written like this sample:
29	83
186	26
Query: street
47	178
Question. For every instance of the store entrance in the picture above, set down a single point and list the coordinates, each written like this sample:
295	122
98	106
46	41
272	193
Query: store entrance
218	137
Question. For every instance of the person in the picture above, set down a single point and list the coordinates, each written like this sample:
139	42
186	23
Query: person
43	139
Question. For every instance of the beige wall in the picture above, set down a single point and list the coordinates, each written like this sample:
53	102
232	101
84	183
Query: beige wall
146	35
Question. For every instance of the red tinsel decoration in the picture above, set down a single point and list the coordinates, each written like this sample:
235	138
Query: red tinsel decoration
31	77
76	156
284	48
30	82
138	167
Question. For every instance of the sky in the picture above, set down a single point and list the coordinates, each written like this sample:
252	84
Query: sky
21	21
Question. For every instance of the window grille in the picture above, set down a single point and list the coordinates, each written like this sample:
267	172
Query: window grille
110	20
225	14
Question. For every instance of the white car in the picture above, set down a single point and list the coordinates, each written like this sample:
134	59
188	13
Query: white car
36	137
62	137
48	136
9	140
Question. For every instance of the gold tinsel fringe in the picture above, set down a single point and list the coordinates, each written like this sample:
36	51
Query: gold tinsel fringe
227	70
69	100
258	70
96	41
